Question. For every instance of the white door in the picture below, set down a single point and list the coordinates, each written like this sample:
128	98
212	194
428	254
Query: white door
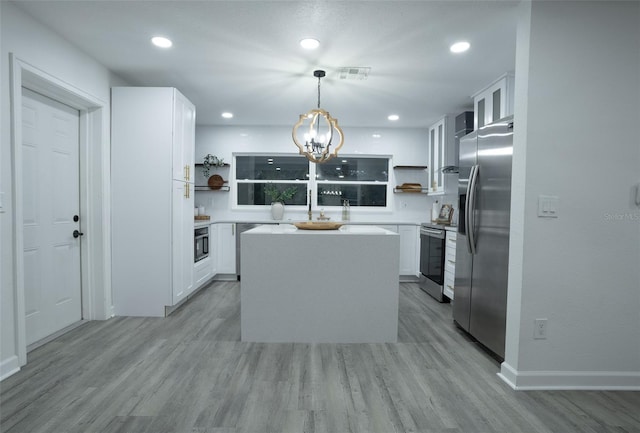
50	189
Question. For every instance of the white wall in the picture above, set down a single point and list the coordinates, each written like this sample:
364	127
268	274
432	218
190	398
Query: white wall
407	147
32	43
577	104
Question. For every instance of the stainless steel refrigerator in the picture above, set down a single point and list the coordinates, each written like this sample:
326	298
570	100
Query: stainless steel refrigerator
482	248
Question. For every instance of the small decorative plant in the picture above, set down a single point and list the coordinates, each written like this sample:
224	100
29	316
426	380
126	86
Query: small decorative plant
211	161
279	196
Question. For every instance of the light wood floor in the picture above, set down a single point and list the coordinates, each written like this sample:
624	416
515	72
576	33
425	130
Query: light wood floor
189	373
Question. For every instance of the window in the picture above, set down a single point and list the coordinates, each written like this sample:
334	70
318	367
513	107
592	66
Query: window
364	181
255	172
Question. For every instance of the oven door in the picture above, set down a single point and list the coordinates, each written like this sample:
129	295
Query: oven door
201	244
432	252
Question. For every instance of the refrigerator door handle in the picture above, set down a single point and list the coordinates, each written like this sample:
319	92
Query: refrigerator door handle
471	204
467	209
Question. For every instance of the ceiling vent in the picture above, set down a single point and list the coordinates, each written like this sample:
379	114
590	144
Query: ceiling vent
354	73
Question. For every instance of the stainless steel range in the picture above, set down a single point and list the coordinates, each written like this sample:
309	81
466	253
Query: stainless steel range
432	252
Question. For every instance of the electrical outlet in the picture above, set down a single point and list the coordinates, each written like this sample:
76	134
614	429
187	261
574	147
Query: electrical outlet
540	329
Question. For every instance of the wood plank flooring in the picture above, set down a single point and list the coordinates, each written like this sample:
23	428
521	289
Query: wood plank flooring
189	373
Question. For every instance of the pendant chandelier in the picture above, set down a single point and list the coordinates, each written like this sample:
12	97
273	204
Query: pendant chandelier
318	131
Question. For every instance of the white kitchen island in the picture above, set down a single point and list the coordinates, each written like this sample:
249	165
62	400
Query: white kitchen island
319	286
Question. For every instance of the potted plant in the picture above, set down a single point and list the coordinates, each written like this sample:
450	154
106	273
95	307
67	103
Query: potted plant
278	198
211	161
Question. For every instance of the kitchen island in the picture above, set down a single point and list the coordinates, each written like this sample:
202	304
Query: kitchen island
319	286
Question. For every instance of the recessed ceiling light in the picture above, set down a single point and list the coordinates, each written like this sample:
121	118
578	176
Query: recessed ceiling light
162	42
460	47
309	43
393	117
376	135
227	115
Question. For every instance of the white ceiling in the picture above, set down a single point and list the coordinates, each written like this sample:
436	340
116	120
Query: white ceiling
244	57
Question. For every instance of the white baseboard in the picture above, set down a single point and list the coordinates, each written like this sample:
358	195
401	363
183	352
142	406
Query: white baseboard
9	367
570	380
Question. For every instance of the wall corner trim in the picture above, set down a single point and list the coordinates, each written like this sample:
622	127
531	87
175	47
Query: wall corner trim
570	380
9	367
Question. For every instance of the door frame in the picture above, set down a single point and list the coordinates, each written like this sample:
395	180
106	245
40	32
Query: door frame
95	263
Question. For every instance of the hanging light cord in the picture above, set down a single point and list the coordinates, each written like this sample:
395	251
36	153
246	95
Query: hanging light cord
319	92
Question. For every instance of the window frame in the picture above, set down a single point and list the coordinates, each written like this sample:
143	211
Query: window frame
312	183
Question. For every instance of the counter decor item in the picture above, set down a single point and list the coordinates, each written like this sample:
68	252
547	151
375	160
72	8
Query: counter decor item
346	210
278	198
318	225
215	182
410	187
445	214
435	211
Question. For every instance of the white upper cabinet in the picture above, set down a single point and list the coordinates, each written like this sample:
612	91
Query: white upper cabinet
441	153
184	121
493	102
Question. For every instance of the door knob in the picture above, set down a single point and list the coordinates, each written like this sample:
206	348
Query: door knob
76	233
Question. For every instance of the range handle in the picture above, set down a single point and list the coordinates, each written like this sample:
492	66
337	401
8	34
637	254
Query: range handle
432	232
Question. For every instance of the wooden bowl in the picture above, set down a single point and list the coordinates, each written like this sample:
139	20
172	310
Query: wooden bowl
318	225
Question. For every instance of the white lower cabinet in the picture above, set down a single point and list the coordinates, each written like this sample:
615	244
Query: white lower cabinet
226	248
409	248
202	272
213	249
182	240
450	264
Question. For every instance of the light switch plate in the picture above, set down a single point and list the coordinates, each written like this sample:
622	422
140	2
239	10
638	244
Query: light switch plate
548	206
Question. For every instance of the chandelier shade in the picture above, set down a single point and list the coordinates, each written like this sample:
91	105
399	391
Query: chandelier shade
317	134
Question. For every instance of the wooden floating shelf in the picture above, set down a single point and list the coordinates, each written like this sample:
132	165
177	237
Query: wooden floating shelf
412	191
410	167
207	188
199	164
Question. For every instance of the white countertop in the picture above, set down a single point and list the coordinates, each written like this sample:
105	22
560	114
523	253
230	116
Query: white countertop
289	222
279	229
